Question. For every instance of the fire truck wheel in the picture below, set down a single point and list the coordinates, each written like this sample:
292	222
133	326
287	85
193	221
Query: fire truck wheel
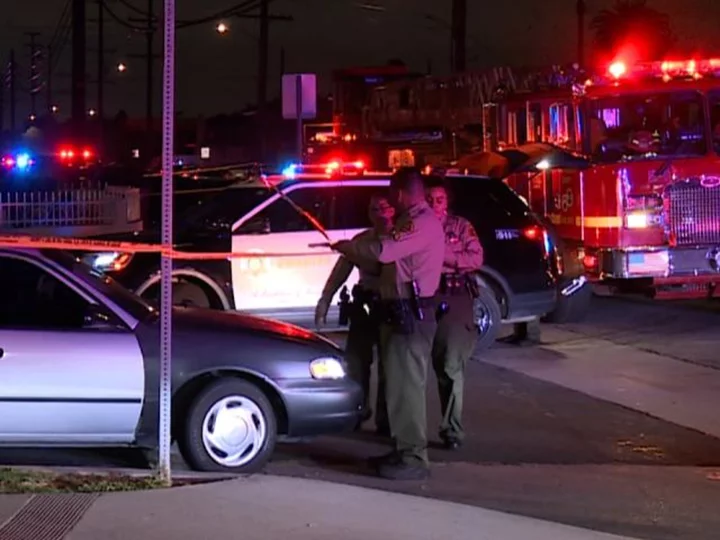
488	318
570	309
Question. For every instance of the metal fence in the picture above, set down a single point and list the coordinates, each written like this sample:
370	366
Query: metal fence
109	209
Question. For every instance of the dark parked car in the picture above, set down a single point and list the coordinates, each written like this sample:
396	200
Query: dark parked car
80	367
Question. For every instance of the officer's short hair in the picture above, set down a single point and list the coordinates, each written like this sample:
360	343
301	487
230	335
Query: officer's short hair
435	181
407	179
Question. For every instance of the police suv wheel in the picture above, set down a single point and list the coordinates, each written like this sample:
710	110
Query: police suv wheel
231	427
190	295
488	318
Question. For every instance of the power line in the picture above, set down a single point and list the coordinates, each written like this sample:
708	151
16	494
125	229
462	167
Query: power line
137	10
120	21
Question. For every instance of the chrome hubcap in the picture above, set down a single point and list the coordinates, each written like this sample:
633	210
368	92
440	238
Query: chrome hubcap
234	431
483	320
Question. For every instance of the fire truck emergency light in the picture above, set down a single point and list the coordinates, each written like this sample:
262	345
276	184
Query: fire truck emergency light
667	69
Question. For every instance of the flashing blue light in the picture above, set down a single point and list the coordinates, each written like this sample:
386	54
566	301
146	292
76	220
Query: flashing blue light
289	171
22	161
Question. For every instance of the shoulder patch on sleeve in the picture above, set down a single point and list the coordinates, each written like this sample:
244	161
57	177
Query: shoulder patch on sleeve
403	229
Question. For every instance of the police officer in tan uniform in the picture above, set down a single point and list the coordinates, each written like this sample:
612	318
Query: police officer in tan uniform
412	258
364	331
456	334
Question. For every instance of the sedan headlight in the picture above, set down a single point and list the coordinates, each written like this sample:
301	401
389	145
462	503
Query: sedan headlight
327	368
108	261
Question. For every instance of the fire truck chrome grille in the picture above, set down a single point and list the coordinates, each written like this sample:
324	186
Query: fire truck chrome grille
692	213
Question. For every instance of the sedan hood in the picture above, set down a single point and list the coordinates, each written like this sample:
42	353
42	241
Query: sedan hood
223	321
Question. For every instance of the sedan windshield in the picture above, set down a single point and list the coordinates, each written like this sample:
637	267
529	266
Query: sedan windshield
105	285
639	126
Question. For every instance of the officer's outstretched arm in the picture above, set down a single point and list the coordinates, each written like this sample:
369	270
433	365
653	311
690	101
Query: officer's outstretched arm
339	275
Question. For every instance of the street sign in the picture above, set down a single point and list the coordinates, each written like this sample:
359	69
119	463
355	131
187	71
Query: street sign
299	92
165	413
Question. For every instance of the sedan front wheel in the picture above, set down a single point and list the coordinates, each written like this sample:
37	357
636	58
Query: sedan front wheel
231	427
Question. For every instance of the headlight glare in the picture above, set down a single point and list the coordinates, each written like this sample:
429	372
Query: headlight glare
327	368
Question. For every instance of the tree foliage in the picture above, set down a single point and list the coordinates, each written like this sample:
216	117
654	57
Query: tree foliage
633	24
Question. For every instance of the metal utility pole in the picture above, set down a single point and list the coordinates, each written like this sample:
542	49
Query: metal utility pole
581	32
100	63
458	36
34	82
78	64
149	71
166	263
13	96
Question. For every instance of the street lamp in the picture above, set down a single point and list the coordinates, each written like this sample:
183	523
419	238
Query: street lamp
222	28
92	112
54	109
121	67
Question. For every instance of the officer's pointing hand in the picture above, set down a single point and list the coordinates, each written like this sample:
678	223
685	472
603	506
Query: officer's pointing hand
343	246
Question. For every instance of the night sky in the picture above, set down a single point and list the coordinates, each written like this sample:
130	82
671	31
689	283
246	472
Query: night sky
218	73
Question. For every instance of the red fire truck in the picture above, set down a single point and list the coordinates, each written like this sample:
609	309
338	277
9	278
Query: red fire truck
644	214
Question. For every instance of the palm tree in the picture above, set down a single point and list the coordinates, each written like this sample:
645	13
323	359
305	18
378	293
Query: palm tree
632	23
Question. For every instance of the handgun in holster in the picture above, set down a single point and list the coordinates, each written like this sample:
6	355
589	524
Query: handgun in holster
345	306
364	304
403	312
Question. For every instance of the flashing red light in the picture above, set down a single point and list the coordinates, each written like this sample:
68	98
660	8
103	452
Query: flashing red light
359	164
87	154
8	162
617	69
332	166
590	261
533	233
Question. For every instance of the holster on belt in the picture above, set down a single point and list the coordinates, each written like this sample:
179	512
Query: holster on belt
402	314
455	284
365	304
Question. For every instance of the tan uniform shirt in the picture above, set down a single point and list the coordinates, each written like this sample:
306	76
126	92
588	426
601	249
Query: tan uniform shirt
368	269
413	251
463	251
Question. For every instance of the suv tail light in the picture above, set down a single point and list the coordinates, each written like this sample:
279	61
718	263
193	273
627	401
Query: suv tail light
533	233
540	234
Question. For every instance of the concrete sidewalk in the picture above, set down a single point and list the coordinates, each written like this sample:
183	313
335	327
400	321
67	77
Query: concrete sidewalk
268	507
265	507
677	391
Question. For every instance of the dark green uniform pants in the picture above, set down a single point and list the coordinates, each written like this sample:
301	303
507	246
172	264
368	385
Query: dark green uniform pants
363	338
527	331
406	359
452	347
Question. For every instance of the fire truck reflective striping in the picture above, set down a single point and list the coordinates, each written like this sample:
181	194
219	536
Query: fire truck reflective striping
597	222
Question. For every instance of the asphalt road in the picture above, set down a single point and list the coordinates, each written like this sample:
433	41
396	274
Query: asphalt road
539	449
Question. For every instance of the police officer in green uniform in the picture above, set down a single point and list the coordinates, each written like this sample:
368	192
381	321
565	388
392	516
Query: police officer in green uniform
456	333
364	331
412	258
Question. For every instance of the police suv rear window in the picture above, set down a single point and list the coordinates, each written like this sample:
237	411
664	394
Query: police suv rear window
492	198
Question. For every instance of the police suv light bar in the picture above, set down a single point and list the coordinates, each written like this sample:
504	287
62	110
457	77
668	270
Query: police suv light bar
329	168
